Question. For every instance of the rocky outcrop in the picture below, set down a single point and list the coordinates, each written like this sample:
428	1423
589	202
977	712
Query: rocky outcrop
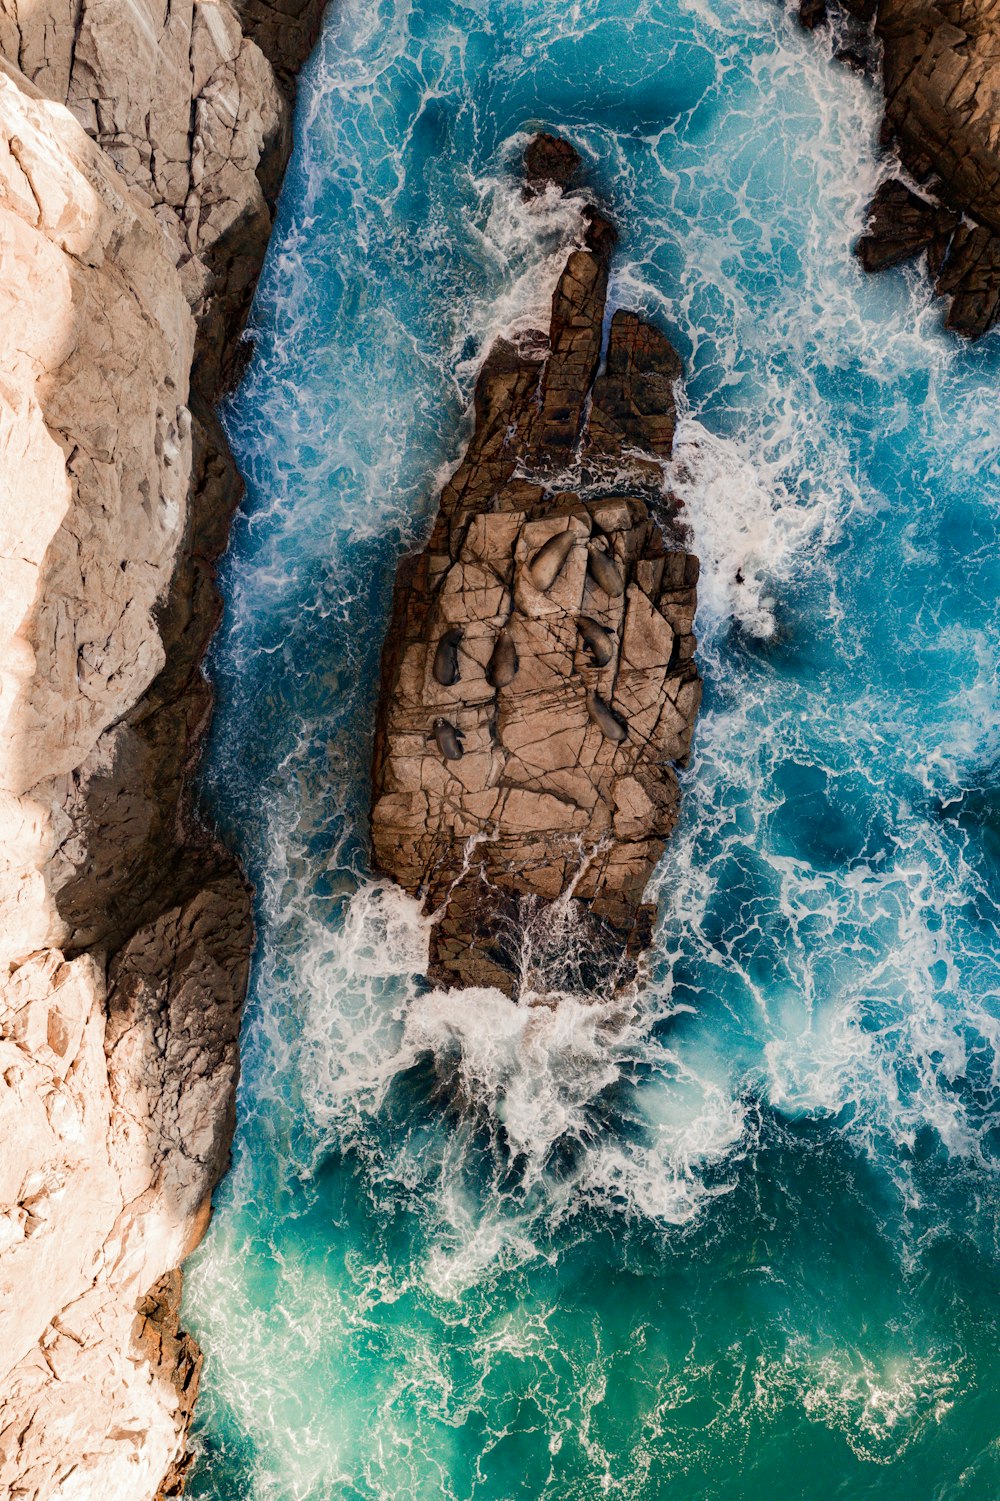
140	150
538	682
941	73
901	225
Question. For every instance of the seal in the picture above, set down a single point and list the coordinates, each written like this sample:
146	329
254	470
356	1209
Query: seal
503	664
547	564
446	659
604	572
606	719
449	740
597	638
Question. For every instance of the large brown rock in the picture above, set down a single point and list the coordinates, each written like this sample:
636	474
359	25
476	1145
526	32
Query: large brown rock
941	74
901	226
497	791
942	84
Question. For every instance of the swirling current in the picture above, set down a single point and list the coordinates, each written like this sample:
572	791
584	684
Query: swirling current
741	1240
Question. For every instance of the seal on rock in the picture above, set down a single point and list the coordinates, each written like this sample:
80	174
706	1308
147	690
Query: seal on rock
449	740
606	719
547	564
604	572
503	664
597	638
446	659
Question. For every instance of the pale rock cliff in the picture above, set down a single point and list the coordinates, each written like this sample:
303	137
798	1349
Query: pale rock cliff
141	146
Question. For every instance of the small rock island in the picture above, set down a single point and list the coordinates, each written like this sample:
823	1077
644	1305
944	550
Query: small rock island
538	678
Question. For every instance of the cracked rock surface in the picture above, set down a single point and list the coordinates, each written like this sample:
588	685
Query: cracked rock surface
533	758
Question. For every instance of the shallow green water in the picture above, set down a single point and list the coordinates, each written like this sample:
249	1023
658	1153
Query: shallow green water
742	1244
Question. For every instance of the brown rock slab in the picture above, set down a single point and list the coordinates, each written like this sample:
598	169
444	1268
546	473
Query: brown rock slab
566	788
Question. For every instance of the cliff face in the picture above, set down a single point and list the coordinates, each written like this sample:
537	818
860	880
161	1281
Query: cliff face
140	148
539	682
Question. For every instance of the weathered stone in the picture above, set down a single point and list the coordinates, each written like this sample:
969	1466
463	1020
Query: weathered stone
285	31
634	398
116	1114
812	13
970	275
941	74
549	159
129	259
901	226
565	786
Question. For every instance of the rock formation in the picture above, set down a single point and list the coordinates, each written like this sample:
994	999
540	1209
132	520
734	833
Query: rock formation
538	681
941	73
140	150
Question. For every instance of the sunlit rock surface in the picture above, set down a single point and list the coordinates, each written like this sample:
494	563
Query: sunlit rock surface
140	150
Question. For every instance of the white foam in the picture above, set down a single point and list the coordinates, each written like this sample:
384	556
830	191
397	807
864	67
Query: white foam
533	1078
851	995
747	536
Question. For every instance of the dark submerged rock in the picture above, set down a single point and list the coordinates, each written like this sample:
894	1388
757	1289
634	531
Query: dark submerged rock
858	59
812	13
549	159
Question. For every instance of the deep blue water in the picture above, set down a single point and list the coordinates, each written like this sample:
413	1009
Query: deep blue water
744	1243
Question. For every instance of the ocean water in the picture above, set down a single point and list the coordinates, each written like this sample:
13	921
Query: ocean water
737	1240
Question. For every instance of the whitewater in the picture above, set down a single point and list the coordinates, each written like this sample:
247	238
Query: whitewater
736	1236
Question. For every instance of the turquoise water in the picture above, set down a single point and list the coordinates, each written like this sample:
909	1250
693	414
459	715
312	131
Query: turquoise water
742	1241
